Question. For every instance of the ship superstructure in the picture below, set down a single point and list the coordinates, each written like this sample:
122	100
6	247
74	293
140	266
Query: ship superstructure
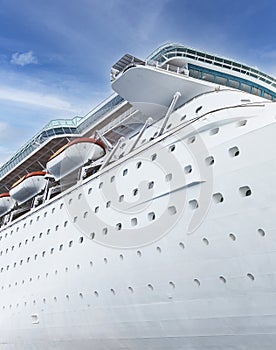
148	223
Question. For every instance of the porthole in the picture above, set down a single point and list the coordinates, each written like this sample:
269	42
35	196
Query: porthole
121	198
210	160
61	247
135	192
121	257
151	216
181	245
150	185
130	289
158	249
61	206
112	179
105	231
242	123
92	235
48	231
105	260
191	139
153	157
138	165
108	204
193	203
53	210
218	198
168	177
125	171
56	228
261	232
65	223
205	241
245	191
96	210
119	226
198	109
183	117
100	185
172	284
172	148
214	131
250	276
139	253
188	169
134	222
45	214
234	151
85	214
78	266
112	291
172	210
197	281
150	286
70	244
222	279
81	240
232	236
96	293
169	126
90	190
52	250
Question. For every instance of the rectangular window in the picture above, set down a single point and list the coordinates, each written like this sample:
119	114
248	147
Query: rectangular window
234	84
194	73
256	91
221	80
245	87
268	96
208	77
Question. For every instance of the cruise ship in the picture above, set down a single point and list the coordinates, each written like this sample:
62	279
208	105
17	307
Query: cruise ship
149	223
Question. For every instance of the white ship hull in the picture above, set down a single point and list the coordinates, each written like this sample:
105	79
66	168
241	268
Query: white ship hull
188	262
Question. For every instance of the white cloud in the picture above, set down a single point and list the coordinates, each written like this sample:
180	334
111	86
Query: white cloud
34	98
22	59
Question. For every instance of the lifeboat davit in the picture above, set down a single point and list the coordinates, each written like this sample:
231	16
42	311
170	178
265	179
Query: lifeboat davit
73	156
28	186
6	203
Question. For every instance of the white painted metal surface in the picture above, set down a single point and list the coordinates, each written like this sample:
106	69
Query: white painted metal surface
170	247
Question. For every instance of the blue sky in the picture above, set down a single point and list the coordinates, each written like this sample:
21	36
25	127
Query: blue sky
56	55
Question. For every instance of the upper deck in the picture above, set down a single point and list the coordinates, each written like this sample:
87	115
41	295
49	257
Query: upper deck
215	69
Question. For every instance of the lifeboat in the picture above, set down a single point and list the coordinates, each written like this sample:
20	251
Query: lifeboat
6	203
28	186
73	156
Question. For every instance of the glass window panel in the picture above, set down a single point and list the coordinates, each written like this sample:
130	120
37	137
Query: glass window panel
221	80
245	87
234	83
